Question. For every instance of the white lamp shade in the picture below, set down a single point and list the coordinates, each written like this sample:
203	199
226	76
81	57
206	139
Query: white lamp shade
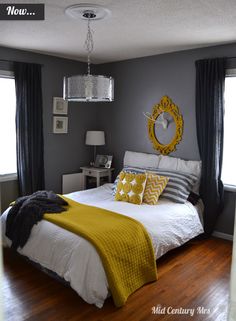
95	138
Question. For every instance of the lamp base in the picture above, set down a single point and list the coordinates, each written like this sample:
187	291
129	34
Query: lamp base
94	154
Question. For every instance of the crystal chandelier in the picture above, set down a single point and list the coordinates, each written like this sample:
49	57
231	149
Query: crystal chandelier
88	88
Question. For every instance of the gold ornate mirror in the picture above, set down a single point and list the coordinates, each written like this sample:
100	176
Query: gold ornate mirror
165	117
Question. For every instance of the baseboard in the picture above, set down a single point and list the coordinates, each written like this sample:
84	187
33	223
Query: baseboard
223	235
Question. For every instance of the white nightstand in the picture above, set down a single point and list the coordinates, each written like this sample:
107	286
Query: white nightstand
98	173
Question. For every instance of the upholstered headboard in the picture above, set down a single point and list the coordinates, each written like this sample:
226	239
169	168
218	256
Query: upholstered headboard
144	160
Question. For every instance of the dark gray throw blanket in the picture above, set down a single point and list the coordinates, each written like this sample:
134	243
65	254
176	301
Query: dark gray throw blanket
28	211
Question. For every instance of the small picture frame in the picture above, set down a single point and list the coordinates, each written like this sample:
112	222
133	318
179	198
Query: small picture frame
60	125
60	106
103	161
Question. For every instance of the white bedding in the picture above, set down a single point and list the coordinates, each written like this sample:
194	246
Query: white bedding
76	260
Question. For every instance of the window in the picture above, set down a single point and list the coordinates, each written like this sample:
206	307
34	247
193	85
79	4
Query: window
229	155
7	123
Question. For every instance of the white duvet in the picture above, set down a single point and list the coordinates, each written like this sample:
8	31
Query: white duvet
76	260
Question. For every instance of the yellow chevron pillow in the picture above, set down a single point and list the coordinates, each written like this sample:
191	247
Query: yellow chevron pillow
130	187
154	187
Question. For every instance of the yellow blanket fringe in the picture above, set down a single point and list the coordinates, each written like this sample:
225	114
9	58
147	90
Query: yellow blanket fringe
123	244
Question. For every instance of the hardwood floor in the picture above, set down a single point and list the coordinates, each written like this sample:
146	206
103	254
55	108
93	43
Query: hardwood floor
193	276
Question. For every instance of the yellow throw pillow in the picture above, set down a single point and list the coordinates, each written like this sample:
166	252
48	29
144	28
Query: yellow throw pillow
154	187
130	187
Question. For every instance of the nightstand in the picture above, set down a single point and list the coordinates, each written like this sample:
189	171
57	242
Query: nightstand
98	173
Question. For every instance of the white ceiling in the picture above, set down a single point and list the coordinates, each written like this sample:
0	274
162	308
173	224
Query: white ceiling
136	28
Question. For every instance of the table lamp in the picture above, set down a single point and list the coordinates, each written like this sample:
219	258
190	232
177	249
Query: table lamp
95	138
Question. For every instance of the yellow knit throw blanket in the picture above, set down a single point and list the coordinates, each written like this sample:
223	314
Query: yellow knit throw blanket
123	244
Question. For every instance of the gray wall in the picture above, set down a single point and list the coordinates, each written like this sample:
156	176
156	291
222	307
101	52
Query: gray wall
225	223
63	153
139	84
8	193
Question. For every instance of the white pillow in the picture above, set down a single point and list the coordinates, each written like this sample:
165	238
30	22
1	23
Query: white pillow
167	162
141	160
184	166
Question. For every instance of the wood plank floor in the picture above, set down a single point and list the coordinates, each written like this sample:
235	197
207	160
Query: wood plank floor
195	275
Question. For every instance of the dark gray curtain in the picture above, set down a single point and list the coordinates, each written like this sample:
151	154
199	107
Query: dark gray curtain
29	127
210	80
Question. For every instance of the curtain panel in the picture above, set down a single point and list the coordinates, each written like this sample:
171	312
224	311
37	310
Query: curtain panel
210	82
29	127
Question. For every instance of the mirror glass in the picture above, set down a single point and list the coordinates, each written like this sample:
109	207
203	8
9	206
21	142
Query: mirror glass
165	136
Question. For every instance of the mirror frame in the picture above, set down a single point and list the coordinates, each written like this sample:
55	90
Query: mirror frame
165	106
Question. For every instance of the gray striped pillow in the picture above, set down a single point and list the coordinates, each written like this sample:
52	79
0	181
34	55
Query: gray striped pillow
178	187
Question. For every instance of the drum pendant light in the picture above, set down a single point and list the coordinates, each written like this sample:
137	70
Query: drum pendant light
88	88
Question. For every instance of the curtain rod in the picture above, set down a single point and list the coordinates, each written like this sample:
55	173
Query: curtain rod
12	61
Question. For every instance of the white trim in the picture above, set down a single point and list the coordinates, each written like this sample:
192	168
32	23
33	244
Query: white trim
8	177
6	74
224	236
230	188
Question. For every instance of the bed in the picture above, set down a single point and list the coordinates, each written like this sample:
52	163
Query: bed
74	259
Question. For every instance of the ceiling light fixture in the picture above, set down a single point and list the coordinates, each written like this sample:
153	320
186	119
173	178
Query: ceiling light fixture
88	88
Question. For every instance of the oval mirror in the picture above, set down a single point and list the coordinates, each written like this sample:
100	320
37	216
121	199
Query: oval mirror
165	126
165	135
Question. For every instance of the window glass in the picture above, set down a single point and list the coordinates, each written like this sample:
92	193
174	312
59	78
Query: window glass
229	155
7	125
